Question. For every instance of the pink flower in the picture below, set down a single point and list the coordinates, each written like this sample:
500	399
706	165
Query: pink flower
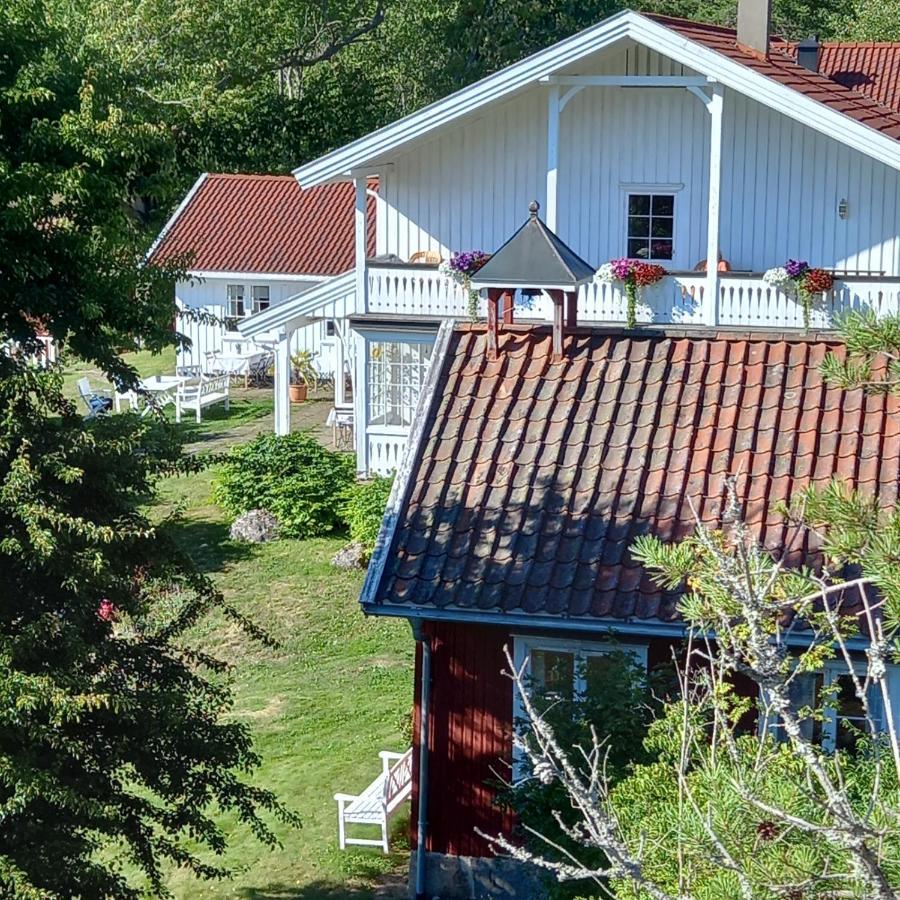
107	610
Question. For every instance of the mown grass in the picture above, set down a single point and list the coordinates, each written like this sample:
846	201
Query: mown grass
335	691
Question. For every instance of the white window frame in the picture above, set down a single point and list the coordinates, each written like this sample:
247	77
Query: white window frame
525	645
230	314
830	673
653	190
255	301
390	337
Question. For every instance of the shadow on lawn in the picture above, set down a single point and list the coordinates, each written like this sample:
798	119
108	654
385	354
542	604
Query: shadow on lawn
208	544
327	890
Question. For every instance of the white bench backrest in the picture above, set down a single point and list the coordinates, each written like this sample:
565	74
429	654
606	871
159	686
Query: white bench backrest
398	781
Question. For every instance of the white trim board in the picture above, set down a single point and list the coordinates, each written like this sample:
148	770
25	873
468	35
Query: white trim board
253	276
175	215
369	150
300	309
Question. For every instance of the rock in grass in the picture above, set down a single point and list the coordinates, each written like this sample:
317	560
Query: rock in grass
353	556
255	526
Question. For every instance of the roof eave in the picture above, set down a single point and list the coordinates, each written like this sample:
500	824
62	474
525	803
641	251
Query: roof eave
367	150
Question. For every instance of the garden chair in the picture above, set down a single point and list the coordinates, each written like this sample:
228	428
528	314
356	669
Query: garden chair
98	402
258	369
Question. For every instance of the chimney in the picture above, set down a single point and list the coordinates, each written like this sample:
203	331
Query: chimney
754	21
808	53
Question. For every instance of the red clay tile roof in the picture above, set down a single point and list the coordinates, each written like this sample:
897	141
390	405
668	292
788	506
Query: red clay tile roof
266	224
780	67
533	478
868	68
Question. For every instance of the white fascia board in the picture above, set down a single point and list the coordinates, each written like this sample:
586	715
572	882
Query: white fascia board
366	150
301	307
495	87
253	276
767	91
175	215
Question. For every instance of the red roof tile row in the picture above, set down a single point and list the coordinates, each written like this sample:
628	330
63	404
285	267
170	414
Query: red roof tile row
868	68
781	67
266	224
534	478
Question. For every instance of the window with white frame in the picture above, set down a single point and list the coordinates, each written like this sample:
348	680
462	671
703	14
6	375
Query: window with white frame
395	378
835	715
557	669
329	328
235	301
259	298
650	232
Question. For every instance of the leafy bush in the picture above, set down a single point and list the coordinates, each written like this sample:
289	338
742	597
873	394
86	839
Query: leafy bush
292	476
364	507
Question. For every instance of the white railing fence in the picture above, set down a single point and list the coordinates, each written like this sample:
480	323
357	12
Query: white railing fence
744	299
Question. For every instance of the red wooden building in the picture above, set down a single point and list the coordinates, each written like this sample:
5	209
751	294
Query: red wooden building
525	484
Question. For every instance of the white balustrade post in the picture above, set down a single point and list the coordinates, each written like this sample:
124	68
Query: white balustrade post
282	382
711	300
552	154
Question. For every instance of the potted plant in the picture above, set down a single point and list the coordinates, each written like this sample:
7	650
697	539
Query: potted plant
632	274
303	375
808	284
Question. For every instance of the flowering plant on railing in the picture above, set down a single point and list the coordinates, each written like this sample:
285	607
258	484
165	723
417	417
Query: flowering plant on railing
803	280
633	274
461	267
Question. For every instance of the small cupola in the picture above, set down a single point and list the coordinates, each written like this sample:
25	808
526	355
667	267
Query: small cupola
535	261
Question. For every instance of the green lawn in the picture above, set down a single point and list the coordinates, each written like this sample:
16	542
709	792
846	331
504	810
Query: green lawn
336	691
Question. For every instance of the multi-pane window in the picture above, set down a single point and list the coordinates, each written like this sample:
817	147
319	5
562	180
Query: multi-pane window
396	374
235	301
832	713
259	295
651	226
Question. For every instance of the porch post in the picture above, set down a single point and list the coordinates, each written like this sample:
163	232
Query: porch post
340	395
508	303
711	300
552	154
360	220
282	382
559	325
360	400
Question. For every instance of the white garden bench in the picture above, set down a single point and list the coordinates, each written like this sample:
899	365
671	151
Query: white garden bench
376	804
205	393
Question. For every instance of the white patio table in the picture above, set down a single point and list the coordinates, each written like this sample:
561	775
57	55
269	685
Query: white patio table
159	391
236	365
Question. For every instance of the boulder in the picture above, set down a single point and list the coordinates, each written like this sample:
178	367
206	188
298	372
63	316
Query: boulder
353	556
255	526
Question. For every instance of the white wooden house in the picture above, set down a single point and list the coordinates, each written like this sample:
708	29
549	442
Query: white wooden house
248	243
719	143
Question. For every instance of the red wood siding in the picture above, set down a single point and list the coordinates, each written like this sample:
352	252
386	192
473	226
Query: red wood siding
470	740
470	737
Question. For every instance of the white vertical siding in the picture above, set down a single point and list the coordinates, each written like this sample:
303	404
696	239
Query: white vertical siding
210	295
469	186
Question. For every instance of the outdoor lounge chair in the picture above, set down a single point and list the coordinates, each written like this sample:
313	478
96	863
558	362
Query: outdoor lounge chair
98	402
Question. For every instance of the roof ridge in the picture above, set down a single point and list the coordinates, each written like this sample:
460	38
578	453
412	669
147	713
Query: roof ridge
251	176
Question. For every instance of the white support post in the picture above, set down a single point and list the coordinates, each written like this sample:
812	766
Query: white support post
340	395
360	401
361	234
711	300
552	154
282	382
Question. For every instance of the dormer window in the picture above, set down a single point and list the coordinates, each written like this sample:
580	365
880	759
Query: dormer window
651	226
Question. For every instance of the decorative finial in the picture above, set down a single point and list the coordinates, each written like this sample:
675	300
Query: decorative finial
533	208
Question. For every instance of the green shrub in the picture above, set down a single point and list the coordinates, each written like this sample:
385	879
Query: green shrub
363	509
292	476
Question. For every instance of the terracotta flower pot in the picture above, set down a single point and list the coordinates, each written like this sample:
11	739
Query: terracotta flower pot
297	393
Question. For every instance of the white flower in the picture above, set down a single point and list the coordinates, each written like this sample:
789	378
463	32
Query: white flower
777	277
605	273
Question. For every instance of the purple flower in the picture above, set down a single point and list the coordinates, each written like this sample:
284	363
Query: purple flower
622	268
468	262
795	267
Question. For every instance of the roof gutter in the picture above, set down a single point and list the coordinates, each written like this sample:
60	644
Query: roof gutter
525	621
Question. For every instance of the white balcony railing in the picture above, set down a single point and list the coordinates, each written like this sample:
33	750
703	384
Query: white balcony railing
745	300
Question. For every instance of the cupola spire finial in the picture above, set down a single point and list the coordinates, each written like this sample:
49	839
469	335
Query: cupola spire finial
533	208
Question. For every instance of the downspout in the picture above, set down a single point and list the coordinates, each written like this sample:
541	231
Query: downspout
424	716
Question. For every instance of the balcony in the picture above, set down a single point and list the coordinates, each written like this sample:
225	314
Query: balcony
744	301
